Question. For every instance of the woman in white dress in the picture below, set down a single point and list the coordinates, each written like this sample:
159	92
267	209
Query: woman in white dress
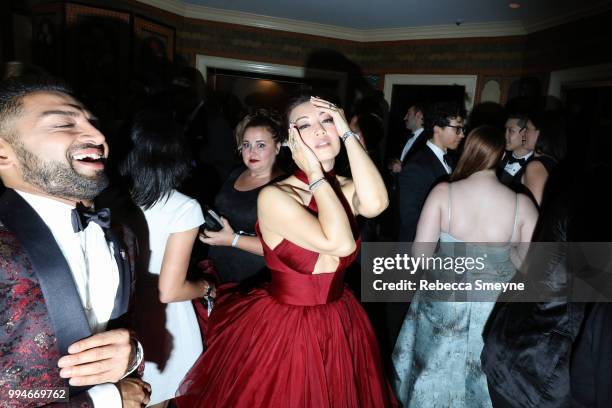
166	320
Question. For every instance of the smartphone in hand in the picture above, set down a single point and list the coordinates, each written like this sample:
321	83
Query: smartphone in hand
212	221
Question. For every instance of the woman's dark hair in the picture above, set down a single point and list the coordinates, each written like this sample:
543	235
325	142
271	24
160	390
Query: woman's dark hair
552	137
158	161
265	118
483	150
300	98
293	102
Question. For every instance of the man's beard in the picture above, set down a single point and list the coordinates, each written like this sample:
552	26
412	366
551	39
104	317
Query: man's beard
59	179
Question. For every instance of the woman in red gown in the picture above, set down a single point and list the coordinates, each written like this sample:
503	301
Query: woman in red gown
303	340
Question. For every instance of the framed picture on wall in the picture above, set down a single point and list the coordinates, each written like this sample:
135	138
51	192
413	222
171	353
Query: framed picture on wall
98	55
152	41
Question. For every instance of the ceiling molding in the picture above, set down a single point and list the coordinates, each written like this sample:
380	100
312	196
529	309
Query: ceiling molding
466	30
600	7
502	29
272	23
173	6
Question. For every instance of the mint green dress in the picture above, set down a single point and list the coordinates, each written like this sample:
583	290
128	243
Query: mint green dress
437	353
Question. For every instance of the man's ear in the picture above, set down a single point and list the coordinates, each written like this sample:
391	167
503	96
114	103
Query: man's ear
7	154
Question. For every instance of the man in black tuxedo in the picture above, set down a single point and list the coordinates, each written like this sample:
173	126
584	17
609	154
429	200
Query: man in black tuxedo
414	120
65	276
519	150
428	165
422	171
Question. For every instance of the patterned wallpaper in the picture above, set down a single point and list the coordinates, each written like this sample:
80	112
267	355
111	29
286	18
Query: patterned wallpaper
577	43
490	55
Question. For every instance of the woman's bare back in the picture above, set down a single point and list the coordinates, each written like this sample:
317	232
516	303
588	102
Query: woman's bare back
482	210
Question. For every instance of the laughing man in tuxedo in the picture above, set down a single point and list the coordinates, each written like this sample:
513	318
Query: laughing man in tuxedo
65	281
519	151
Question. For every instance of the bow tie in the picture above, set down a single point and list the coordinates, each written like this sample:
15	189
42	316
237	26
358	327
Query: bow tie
520	161
82	216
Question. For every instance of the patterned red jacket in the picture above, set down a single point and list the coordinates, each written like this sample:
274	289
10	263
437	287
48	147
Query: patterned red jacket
40	309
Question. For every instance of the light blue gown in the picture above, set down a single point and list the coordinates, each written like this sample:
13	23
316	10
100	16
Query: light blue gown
437	353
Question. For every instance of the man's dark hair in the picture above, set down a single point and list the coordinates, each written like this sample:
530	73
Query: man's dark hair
418	107
158	161
440	114
521	117
12	92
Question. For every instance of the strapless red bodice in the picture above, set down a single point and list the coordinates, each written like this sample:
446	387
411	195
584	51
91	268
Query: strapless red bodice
305	288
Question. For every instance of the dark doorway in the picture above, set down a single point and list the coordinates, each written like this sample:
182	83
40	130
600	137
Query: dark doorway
259	90
402	97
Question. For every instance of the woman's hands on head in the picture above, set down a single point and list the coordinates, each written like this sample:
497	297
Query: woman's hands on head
302	155
336	113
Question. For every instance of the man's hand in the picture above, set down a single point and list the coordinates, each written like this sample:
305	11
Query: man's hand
395	165
101	358
134	392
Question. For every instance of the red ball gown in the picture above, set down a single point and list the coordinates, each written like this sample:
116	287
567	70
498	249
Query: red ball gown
302	340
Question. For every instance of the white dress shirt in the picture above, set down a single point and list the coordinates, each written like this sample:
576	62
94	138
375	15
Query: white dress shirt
440	155
94	270
513	168
410	143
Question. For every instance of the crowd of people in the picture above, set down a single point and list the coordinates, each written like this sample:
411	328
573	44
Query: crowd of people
123	287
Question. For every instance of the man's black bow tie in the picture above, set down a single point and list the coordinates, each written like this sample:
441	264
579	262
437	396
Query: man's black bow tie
82	216
520	161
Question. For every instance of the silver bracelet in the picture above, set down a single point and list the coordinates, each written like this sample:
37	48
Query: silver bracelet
348	134
315	184
236	238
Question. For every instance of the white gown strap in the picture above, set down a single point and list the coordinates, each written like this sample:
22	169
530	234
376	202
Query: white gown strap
449	208
516	205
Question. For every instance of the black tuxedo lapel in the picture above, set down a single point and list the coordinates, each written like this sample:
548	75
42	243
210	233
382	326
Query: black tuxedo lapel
504	177
122	299
436	164
55	278
418	145
56	281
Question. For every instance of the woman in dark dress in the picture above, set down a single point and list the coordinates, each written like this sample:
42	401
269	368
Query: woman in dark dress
549	149
235	250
